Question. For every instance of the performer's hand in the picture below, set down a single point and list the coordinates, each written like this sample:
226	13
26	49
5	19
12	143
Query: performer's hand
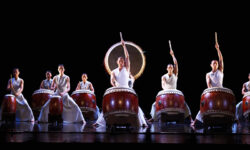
217	46
123	43
171	52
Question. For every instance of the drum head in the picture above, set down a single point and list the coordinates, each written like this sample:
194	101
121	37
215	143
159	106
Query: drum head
137	58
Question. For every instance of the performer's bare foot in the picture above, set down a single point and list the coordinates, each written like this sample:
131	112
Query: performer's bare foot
95	125
193	123
151	120
144	125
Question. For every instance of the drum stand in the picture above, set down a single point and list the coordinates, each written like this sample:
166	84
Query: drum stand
56	120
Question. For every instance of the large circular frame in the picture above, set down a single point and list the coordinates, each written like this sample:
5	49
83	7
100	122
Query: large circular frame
137	58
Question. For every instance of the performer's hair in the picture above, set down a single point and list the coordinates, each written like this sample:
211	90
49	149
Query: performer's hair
48	71
61	65
85	74
120	58
16	69
170	65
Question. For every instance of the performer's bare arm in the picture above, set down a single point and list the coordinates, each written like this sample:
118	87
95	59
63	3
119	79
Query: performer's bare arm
112	79
41	86
244	89
176	68
163	83
127	60
68	86
78	86
221	61
54	86
208	81
91	88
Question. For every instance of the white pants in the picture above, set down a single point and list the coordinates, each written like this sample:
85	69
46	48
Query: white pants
71	112
153	111
239	111
101	121
23	111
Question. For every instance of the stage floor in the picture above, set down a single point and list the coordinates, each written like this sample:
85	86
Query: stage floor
170	133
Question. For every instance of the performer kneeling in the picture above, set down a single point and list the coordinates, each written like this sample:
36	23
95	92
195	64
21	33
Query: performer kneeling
239	107
86	85
169	81
71	112
23	110
121	77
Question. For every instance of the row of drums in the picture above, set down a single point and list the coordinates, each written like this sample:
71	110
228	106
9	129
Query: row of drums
120	105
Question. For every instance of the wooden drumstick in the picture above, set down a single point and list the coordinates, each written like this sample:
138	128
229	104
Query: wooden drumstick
170	45
216	38
121	36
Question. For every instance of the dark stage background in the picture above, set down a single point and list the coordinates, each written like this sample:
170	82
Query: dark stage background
35	49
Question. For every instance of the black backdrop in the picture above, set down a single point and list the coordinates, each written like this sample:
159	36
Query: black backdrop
36	48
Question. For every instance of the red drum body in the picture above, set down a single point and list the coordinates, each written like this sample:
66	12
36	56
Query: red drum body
218	106
120	107
9	107
170	106
86	100
246	105
56	105
39	98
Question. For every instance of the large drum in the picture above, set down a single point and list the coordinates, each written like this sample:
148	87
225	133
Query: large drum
218	106
120	107
55	108
39	98
86	100
246	105
170	106
9	107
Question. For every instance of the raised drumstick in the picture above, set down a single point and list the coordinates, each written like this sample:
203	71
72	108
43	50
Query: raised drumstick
216	38
170	45
121	36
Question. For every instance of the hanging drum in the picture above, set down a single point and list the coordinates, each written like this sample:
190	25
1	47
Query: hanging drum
246	106
86	100
137	58
170	106
120	106
39	98
9	108
218	106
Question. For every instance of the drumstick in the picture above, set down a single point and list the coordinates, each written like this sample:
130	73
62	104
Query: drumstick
170	45
216	38
121	36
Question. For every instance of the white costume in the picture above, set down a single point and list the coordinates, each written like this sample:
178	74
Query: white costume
171	83
86	86
47	83
23	110
239	107
216	80
122	78
71	111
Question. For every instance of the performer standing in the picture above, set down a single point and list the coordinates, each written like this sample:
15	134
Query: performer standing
239	107
214	78
71	111
121	77
86	85
23	110
46	84
169	81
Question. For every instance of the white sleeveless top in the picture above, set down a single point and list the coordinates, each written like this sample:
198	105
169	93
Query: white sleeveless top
85	86
122	77
61	83
247	85
47	83
171	82
216	78
16	84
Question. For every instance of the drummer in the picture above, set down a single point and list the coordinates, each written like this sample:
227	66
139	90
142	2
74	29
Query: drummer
213	78
23	110
120	78
46	84
71	111
169	81
239	107
86	85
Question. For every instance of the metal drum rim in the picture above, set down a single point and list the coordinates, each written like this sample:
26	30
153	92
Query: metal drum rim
119	89
218	89
246	95
10	95
48	91
170	91
55	96
83	92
